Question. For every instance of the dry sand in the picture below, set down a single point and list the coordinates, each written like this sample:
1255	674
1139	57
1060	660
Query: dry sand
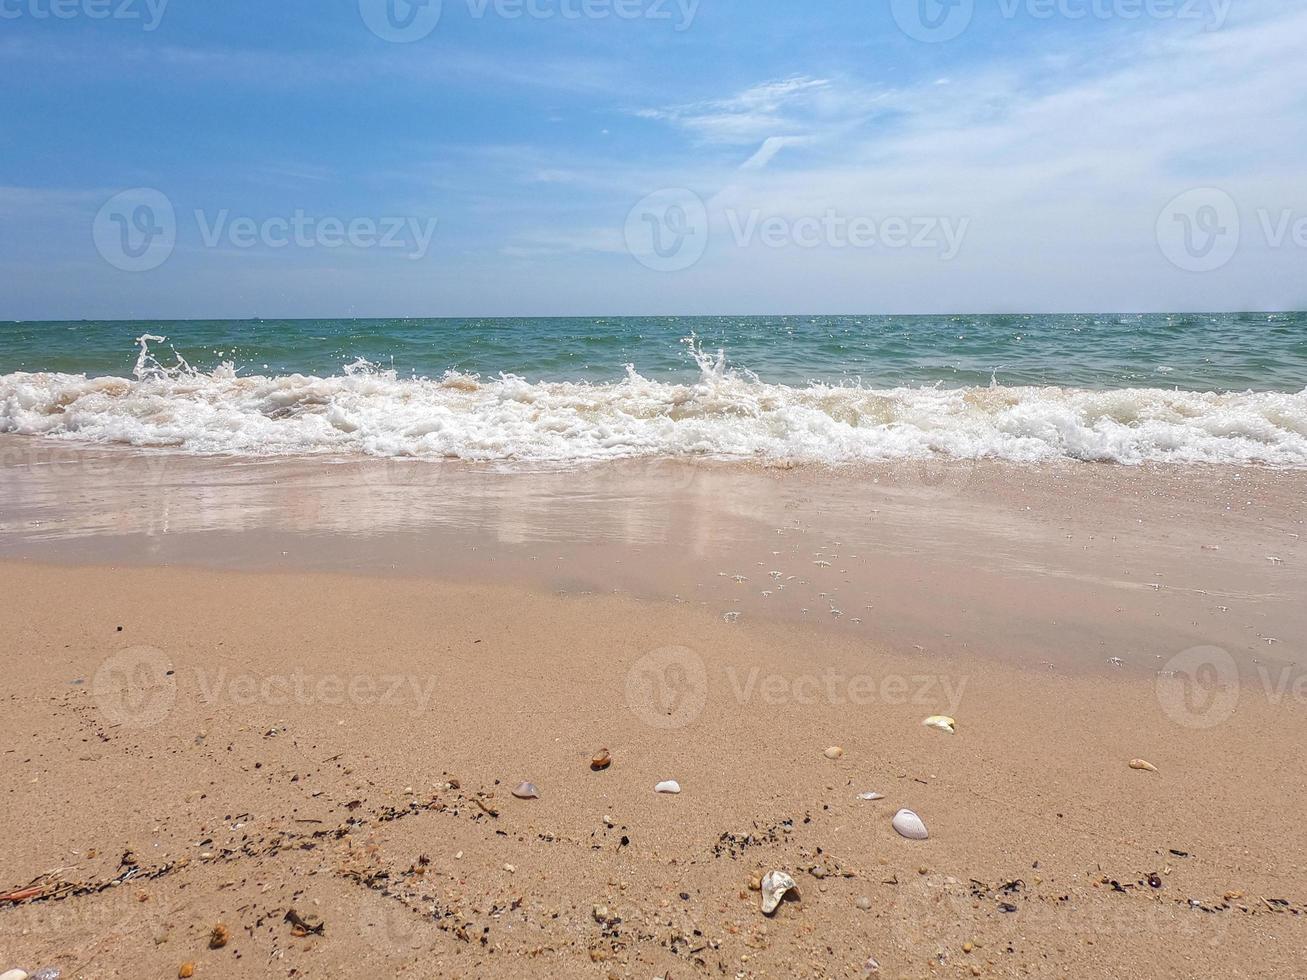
344	745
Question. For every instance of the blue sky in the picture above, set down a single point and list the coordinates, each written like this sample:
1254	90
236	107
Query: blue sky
1031	158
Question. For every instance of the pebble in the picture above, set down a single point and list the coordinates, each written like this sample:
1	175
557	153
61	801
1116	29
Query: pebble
863	903
669	786
834	752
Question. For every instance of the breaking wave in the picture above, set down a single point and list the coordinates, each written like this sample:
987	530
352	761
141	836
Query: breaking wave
725	413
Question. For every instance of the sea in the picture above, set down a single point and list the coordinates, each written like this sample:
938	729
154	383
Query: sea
1123	389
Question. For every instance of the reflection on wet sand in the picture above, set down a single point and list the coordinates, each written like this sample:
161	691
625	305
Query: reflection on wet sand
1065	563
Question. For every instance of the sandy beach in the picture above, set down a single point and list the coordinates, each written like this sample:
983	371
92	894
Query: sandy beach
210	724
653	490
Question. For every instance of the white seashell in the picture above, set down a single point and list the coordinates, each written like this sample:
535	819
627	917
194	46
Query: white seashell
834	752
909	825
943	722
871	796
871	966
670	786
527	791
14	975
1143	765
774	886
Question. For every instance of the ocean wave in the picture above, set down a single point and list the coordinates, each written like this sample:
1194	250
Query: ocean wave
726	413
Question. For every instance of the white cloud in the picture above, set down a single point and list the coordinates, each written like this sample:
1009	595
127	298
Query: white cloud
782	107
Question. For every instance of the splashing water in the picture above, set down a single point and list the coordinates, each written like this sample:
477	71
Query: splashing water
724	413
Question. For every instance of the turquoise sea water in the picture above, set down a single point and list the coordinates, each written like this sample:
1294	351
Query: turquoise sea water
1222	389
1217	352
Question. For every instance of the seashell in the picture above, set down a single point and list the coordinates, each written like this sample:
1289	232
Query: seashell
774	886
909	825
669	786
871	966
219	936
943	722
834	752
527	791
14	975
871	796
601	760
1142	764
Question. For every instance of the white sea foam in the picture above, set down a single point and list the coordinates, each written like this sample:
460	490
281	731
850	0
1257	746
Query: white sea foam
724	414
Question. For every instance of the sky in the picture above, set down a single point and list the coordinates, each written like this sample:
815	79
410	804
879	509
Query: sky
340	158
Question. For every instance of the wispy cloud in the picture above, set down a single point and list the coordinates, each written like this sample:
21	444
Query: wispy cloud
784	107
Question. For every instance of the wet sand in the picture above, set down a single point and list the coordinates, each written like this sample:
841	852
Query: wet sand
336	729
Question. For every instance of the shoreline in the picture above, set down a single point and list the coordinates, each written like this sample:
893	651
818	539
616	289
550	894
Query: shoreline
239	690
1073	565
